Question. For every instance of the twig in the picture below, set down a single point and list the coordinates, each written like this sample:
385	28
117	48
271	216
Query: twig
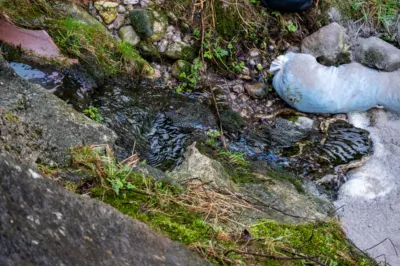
381	243
267	255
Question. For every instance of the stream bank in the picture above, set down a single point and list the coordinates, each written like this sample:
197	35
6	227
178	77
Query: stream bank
271	151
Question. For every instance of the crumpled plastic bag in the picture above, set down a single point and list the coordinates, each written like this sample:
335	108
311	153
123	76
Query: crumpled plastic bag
310	87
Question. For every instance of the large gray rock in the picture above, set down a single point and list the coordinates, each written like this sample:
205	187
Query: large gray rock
58	124
376	53
280	200
42	224
330	45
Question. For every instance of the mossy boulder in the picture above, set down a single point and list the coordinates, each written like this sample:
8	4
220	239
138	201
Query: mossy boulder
149	24
107	10
180	50
142	21
148	50
179	67
159	26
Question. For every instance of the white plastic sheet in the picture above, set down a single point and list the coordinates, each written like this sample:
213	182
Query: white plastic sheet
311	87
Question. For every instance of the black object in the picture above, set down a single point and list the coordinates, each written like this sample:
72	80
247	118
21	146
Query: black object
287	5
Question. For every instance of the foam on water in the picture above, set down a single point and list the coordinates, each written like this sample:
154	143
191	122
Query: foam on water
371	197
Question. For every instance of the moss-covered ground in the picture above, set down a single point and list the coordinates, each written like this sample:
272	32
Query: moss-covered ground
192	213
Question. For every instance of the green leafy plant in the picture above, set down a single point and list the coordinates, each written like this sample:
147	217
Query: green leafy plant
291	27
93	113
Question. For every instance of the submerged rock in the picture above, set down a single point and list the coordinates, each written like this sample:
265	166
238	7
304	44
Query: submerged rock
42	224
376	53
330	45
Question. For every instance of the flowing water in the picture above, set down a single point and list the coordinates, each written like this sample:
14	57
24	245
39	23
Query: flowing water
369	201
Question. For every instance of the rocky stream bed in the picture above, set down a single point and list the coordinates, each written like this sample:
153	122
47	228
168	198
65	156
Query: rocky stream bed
209	157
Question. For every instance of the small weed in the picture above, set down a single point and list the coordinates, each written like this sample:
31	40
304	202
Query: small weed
291	27
93	113
237	158
212	139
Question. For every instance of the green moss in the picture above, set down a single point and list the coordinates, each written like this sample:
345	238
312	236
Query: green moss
281	175
142	21
324	240
228	22
156	203
231	120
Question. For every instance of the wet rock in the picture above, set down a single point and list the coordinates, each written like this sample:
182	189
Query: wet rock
376	53
180	50
257	90
43	224
128	34
60	125
330	45
288	131
119	22
107	10
197	165
179	67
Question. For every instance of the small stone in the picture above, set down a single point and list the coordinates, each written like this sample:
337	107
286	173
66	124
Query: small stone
160	23
246	71
107	10
254	52
180	51
257	90
121	9
179	67
119	22
162	46
128	34
238	88
129	7
131	2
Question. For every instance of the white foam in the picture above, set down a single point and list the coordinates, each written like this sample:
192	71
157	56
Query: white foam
371	197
